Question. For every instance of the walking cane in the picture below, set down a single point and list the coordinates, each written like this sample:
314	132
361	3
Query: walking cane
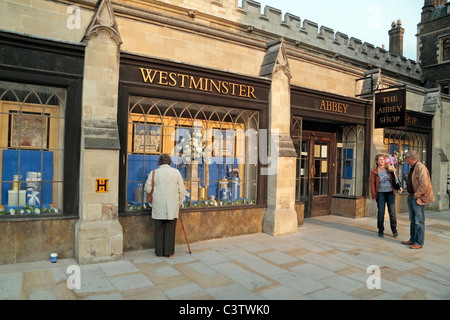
179	214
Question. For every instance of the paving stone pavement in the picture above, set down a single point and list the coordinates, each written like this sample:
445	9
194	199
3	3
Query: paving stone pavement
328	258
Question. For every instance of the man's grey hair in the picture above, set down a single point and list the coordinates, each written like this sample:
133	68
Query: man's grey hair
412	154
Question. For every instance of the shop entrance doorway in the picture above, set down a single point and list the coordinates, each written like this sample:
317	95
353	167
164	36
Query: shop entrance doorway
318	166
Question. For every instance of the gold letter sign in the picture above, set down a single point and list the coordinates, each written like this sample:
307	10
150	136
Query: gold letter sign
174	79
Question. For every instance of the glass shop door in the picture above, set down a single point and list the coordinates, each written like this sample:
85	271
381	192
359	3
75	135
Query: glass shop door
318	166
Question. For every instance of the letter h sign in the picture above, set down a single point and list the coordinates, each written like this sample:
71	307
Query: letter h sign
101	185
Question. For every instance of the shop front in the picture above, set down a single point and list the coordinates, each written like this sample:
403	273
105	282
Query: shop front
399	130
415	135
40	90
210	122
331	135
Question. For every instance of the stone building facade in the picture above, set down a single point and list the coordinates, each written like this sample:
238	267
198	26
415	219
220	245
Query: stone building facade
434	44
110	85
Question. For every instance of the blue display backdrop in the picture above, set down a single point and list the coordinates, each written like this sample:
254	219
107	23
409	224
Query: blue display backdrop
347	168
139	166
30	161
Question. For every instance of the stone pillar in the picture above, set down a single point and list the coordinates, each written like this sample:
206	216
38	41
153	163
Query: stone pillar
439	164
280	216
98	233
372	82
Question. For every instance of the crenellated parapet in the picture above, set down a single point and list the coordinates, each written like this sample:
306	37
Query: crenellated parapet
308	34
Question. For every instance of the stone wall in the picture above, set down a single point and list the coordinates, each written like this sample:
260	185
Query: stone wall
25	240
138	230
215	34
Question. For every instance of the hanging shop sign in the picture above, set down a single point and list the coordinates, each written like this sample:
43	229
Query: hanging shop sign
390	109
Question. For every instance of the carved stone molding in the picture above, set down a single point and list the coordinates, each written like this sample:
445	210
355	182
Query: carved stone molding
275	59
432	102
104	19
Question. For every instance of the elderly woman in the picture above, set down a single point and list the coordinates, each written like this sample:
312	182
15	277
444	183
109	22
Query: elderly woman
168	196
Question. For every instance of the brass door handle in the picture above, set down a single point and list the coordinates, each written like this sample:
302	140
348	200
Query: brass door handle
312	172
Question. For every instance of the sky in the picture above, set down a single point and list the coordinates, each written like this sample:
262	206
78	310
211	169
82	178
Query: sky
368	21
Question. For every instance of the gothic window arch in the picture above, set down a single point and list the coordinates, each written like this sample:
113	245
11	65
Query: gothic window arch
213	147
397	142
350	160
301	181
32	122
446	49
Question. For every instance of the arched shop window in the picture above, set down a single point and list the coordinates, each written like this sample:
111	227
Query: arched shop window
31	148
398	142
301	181
350	160
213	147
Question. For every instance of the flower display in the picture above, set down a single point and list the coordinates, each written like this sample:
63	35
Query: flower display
193	148
400	156
27	209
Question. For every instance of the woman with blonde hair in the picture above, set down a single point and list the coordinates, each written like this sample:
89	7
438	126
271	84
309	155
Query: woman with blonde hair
382	191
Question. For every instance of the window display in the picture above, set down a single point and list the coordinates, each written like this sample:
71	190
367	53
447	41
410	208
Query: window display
301	147
213	148
350	160
31	148
397	143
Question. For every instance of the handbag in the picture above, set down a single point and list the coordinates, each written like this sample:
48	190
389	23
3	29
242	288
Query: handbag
396	182
150	195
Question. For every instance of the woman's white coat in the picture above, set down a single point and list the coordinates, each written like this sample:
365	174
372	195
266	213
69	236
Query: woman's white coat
168	193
